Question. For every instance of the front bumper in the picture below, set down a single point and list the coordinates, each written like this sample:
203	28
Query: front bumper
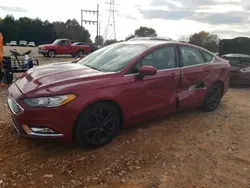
43	51
23	129
55	123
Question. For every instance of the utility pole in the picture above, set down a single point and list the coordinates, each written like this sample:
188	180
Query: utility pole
91	21
111	20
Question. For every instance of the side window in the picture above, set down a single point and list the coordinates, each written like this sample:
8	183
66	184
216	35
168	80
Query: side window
191	56
208	57
161	59
65	43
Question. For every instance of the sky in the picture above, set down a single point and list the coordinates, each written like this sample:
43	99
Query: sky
170	18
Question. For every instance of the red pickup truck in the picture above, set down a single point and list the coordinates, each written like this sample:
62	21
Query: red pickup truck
63	46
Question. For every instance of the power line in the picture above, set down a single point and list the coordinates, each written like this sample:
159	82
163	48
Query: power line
111	20
91	21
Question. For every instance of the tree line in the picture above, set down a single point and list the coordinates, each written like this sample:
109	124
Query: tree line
42	32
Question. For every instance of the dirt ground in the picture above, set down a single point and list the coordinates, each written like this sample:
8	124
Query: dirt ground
187	149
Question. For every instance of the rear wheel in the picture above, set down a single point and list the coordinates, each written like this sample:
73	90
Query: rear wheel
97	125
213	97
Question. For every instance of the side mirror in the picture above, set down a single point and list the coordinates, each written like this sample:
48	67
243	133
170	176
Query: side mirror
146	71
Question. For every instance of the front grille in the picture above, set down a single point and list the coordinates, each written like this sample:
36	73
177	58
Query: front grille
14	106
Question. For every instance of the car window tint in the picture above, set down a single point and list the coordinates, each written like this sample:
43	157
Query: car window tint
191	56
65	43
208	57
163	58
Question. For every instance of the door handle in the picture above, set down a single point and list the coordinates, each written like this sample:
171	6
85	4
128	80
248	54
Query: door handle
207	69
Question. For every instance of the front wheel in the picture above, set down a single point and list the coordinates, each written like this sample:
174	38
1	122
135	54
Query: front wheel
97	125
213	97
51	53
80	53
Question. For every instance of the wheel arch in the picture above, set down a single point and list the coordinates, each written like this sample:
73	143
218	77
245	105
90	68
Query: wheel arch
101	101
80	50
221	83
52	50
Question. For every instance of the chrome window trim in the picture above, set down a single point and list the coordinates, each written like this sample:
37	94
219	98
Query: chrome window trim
157	71
196	65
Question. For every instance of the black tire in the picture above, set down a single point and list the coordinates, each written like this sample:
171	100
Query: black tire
80	53
213	97
73	55
90	130
7	78
52	53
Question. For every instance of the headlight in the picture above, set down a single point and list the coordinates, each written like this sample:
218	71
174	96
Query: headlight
49	102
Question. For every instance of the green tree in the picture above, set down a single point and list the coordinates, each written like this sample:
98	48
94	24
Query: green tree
99	40
145	32
40	31
205	40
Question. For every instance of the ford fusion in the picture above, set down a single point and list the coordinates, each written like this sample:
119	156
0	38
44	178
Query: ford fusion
116	86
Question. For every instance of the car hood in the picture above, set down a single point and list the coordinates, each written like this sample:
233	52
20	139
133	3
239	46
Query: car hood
57	74
46	45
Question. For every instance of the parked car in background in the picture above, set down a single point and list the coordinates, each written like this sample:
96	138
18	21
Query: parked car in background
22	43
240	68
31	44
116	86
92	47
63	46
13	43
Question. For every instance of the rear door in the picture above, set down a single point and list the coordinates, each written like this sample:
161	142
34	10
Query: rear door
156	94
195	71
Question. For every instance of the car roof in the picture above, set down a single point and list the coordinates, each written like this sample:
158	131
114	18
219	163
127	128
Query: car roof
151	43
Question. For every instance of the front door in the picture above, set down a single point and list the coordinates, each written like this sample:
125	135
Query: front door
156	94
65	47
195	74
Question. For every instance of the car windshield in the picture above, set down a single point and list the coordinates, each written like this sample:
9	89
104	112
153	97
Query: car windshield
57	41
114	57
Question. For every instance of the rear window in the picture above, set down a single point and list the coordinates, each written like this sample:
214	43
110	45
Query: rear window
208	57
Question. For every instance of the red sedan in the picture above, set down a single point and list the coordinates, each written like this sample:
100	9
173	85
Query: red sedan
114	87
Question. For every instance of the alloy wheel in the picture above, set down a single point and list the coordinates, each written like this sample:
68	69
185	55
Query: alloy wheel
100	126
214	97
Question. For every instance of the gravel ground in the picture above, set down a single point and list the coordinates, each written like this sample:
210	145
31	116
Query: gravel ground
187	149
